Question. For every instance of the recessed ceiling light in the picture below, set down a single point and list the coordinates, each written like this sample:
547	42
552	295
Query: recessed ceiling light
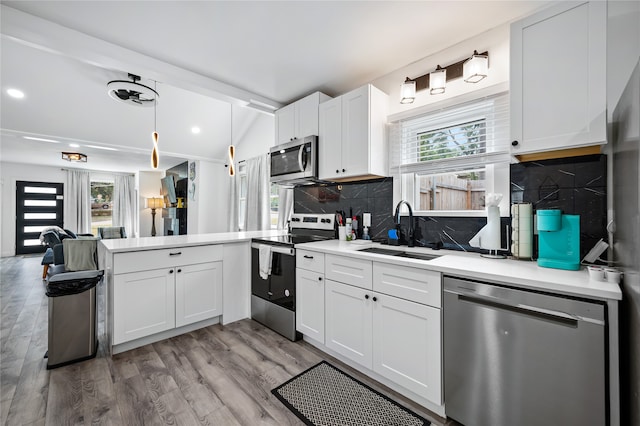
74	145
40	139
101	147
15	93
195	130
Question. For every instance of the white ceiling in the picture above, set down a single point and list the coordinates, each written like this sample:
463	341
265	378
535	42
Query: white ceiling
204	55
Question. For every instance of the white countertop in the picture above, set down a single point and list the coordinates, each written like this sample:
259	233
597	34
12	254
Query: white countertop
526	274
165	242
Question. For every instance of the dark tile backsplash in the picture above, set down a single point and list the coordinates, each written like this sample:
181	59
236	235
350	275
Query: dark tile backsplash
575	185
376	197
373	196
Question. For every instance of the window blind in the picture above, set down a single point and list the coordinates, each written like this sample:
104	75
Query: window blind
459	137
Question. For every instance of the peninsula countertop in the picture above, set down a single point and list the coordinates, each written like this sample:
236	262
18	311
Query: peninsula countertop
525	274
123	245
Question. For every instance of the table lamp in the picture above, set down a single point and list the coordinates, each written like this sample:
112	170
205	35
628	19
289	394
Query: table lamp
153	204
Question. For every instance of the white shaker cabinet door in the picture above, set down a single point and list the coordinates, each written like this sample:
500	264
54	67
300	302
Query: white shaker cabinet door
558	78
310	304
330	139
348	321
407	344
285	124
356	128
198	292
144	304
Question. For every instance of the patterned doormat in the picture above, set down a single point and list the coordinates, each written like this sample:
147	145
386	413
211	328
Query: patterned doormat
326	396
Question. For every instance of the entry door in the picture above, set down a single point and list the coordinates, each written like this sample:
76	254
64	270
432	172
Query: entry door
38	205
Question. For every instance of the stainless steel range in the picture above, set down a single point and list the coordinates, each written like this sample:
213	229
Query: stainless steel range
273	299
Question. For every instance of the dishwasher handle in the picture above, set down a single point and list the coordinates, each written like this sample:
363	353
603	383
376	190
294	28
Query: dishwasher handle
559	318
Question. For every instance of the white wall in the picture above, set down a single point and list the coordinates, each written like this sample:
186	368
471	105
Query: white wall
253	133
10	173
495	41
148	185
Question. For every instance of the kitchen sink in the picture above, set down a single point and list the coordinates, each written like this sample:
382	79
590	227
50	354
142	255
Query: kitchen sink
399	253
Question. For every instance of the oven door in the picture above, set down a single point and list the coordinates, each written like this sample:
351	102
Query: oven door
280	287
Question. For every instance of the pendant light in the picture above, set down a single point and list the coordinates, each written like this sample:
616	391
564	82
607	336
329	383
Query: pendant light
232	149
155	156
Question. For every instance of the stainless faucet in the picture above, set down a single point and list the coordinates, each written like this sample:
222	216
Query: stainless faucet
410	240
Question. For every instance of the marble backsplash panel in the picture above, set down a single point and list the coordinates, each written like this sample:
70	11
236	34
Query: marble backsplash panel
575	185
376	197
372	196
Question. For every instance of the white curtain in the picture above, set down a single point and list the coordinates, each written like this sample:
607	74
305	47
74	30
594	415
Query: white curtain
234	202
77	201
124	199
285	206
258	194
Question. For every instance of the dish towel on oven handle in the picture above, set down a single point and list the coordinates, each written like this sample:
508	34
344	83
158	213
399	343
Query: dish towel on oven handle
265	261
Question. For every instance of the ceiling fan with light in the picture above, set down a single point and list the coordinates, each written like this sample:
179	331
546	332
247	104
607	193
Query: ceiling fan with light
132	92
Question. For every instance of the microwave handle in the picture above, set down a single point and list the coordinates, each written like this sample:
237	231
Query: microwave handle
302	160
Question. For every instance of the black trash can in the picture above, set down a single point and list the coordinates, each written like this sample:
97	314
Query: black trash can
73	326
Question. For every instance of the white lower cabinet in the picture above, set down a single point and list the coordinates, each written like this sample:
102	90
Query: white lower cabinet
144	304
407	345
198	292
154	292
383	329
348	321
310	304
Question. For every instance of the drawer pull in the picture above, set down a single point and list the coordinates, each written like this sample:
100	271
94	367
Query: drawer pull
179	270
178	253
306	256
366	296
171	271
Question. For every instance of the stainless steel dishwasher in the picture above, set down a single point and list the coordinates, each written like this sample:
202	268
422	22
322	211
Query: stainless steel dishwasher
518	357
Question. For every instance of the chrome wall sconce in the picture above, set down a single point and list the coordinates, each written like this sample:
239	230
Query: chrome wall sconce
472	69
74	156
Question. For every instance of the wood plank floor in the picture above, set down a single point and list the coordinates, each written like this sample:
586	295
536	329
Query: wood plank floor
213	376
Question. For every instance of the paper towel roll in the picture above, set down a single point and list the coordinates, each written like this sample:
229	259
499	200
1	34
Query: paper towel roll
522	227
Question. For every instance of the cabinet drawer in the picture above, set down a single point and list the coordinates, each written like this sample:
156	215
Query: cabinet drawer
310	260
165	258
348	270
414	284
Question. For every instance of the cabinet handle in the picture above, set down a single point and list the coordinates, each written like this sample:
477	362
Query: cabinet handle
375	299
319	278
343	170
179	270
171	271
308	257
366	296
514	143
177	253
337	171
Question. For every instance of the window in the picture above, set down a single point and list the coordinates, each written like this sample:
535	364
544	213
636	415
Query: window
448	160
274	199
101	205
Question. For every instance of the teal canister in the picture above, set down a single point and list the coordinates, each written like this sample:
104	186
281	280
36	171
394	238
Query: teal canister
549	220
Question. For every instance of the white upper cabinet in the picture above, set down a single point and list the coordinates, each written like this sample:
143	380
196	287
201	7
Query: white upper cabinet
352	139
299	119
558	78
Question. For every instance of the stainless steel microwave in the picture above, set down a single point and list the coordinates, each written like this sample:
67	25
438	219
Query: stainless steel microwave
295	162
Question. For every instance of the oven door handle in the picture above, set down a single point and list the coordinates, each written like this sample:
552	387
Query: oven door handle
275	249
